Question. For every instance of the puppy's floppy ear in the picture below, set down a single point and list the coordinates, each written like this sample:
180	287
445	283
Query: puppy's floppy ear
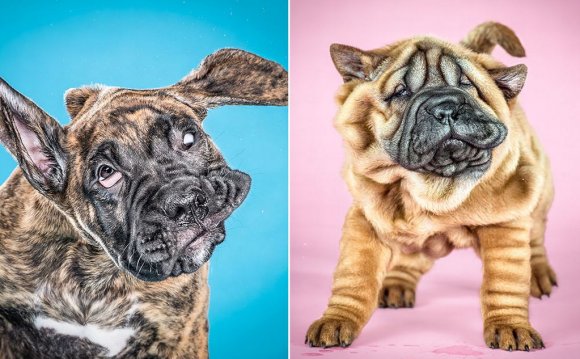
353	63
484	37
235	77
34	138
76	99
510	80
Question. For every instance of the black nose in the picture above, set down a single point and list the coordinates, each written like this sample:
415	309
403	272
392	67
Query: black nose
444	111
180	207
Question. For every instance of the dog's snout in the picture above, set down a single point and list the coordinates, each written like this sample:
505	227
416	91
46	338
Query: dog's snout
176	206
445	104
180	206
445	111
447	133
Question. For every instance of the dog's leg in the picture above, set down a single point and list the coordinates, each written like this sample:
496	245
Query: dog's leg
543	276
505	252
357	280
400	283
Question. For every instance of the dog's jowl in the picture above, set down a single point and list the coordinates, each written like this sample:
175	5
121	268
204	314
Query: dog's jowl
107	225
439	155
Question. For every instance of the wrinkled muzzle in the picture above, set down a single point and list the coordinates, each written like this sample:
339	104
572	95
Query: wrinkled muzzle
445	132
180	225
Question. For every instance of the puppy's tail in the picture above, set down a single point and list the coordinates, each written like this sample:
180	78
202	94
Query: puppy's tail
484	37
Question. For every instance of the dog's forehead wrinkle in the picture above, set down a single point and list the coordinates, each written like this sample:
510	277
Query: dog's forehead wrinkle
435	76
417	71
131	137
450	70
381	68
122	154
125	105
427	43
195	106
132	112
407	51
428	65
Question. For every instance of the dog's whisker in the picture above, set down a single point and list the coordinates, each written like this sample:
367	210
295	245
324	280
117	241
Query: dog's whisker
137	265
131	256
125	248
139	270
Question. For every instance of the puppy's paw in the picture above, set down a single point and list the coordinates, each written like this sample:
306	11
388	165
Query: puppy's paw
396	296
327	332
512	337
543	280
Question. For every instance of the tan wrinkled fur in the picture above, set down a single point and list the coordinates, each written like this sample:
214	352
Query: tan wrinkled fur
401	221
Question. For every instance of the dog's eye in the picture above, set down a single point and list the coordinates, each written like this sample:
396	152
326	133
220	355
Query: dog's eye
464	81
188	140
108	177
400	91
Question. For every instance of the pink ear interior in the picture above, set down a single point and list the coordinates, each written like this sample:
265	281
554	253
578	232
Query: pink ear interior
33	147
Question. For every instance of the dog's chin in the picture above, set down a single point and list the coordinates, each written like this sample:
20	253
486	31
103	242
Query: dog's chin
454	159
197	253
187	254
464	161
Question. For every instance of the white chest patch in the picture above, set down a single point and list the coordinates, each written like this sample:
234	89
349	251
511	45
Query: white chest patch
112	339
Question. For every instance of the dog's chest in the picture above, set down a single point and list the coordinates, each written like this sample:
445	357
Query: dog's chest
400	221
425	234
112	339
73	303
77	301
68	310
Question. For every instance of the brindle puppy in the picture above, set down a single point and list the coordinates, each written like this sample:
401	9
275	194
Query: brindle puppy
106	227
439	155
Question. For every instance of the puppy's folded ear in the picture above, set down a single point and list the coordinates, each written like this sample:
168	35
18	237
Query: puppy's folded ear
77	99
235	77
34	138
353	63
484	37
510	80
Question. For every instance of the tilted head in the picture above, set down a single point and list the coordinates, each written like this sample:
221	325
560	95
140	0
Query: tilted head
134	172
426	108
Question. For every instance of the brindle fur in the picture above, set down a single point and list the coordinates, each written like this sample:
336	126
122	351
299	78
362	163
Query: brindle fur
50	262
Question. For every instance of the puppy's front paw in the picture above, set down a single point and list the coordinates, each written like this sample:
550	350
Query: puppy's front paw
327	332
512	337
397	296
543	279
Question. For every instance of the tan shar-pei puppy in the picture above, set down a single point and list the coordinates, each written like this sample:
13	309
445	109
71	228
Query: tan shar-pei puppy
439	155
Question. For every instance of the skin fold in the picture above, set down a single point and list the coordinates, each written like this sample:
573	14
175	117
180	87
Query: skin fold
107	225
494	194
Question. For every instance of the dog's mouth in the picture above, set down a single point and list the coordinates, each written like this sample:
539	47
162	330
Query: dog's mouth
180	235
453	157
166	253
446	133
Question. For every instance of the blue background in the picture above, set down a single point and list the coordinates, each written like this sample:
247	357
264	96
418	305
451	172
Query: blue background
47	47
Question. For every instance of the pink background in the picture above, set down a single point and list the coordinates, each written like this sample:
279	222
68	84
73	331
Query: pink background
446	321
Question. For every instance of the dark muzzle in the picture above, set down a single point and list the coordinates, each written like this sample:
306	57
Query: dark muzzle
445	132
